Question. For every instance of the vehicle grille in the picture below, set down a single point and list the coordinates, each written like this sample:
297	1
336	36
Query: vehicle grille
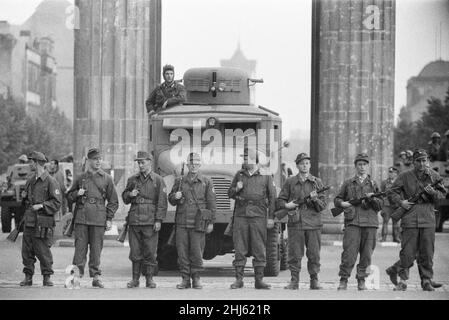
221	186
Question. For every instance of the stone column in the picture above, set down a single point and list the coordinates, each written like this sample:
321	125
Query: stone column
353	89
117	63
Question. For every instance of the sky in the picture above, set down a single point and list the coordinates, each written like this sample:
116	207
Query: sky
278	35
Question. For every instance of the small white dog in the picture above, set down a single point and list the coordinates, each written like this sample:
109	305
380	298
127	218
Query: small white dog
73	281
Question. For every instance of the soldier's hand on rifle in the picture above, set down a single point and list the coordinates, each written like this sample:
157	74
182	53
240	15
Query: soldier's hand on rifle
157	226
108	225
430	190
314	195
134	193
345	204
210	228
178	195
406	204
270	223
239	186
81	192
36	207
291	205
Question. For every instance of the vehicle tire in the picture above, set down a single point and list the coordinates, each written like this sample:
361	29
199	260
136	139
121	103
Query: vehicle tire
284	254
273	257
167	258
6	219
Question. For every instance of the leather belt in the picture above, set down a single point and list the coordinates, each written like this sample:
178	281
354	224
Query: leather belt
251	202
95	200
143	200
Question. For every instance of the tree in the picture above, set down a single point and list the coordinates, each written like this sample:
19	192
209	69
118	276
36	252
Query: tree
417	134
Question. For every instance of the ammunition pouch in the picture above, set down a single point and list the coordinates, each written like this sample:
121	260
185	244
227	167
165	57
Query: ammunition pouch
44	226
203	218
293	216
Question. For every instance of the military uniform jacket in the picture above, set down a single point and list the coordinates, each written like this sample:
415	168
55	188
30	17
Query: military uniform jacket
433	151
308	216
384	186
91	209
205	196
258	196
357	215
43	190
421	215
150	205
174	94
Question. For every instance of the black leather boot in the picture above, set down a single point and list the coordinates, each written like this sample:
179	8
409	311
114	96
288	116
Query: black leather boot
238	283
294	282
47	282
258	276
393	275
149	278
361	285
28	281
185	283
314	283
343	284
134	283
196	281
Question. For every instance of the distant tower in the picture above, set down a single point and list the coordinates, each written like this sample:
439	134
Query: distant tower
238	60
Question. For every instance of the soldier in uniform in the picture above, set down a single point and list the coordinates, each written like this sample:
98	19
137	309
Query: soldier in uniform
388	208
304	223
434	146
194	198
255	197
147	194
54	171
167	94
360	222
43	199
444	148
418	223
23	159
91	190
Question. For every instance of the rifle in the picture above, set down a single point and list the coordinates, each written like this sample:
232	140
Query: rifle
230	227
69	230
355	202
122	236
400	212
172	238
281	213
15	233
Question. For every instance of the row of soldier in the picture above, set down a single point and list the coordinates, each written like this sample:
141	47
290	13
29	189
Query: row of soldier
255	202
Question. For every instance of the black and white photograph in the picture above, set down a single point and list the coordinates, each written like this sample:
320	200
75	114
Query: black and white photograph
225	155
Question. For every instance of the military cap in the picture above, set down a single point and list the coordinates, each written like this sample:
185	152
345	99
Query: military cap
23	157
168	67
93	153
361	157
420	154
392	169
409	153
446	133
402	153
37	156
435	135
302	156
143	155
193	156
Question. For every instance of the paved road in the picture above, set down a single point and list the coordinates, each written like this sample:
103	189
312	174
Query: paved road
216	278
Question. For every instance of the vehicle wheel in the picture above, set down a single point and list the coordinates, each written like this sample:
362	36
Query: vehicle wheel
6	220
167	258
284	254
273	262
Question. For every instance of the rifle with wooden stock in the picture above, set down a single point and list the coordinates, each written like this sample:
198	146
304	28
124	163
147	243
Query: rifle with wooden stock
281	213
357	201
400	212
172	238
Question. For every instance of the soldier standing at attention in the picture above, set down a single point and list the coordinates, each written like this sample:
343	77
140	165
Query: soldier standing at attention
360	222
92	215
304	225
56	173
147	194
388	208
195	215
434	147
255	196
418	223
168	94
43	199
